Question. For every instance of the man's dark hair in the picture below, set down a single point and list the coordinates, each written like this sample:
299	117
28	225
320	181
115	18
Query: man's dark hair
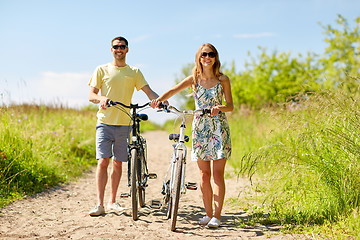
120	39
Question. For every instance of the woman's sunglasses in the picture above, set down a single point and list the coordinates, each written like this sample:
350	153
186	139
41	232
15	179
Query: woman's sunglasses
210	54
122	47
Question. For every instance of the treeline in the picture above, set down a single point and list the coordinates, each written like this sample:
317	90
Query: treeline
276	77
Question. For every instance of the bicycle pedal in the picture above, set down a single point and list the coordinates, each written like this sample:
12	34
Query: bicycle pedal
191	186
155	204
125	195
152	175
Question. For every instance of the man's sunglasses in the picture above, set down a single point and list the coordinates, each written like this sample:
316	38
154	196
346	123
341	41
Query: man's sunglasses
210	54
122	47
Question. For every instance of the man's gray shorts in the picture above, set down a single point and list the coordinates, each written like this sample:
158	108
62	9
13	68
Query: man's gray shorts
111	141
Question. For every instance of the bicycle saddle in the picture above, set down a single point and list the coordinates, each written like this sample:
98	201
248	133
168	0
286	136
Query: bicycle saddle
143	117
175	137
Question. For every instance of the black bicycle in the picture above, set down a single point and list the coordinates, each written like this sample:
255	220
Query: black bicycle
138	174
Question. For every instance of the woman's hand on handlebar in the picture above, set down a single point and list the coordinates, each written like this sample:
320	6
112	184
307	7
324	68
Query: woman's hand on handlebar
215	111
156	102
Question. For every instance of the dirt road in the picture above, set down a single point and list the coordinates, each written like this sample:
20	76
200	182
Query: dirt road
62	212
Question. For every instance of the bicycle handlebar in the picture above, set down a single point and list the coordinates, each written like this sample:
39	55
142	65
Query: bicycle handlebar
136	106
168	108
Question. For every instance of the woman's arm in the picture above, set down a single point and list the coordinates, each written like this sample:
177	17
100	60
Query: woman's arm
181	86
229	106
174	90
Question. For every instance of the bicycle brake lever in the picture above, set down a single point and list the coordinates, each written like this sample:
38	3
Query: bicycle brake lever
205	111
164	107
110	103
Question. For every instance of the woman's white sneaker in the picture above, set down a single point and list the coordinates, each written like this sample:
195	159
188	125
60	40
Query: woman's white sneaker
115	207
214	223
204	220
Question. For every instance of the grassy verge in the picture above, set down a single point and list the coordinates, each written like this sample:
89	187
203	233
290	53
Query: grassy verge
304	163
42	146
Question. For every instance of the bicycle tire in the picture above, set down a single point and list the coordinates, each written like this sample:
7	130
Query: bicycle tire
134	183
177	186
167	199
169	205
141	177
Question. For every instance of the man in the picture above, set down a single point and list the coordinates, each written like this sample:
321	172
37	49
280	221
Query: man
117	81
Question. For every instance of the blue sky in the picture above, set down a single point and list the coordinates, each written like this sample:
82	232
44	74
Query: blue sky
49	49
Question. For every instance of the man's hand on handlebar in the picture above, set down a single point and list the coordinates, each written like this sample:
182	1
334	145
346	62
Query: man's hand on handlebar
103	102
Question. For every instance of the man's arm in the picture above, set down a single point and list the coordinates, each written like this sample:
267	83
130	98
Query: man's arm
95	98
149	92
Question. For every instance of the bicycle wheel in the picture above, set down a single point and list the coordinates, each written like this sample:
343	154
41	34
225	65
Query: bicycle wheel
134	183
168	200
177	186
142	171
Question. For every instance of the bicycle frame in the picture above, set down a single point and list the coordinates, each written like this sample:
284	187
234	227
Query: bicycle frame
136	141
179	147
172	188
137	158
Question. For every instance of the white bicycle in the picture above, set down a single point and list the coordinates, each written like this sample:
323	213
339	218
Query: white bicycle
174	183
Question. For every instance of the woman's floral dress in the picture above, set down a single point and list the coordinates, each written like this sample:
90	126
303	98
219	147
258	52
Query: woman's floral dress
210	134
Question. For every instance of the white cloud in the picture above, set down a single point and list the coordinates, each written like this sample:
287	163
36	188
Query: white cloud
254	35
65	84
69	88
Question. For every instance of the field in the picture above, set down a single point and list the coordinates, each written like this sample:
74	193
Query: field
295	134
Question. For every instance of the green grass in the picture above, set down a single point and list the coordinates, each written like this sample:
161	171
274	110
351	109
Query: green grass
42	146
304	163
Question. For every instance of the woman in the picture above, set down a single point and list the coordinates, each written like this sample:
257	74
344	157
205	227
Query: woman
210	134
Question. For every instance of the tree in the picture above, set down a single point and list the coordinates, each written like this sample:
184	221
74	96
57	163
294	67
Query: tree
273	78
341	62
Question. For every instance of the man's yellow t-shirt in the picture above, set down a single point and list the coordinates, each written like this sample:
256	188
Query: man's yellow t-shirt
117	84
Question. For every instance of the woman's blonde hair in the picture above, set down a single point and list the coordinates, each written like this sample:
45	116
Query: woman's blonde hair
198	69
